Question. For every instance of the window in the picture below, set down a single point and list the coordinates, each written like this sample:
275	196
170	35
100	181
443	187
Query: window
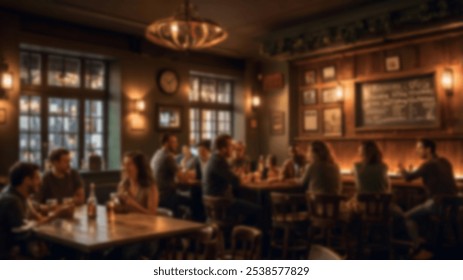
30	129
71	93
211	107
63	126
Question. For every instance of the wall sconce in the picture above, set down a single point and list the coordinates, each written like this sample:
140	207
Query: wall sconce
340	93
6	78
255	101
447	81
140	106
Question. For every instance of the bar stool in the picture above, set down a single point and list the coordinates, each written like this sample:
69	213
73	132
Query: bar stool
290	221
446	222
375	231
326	217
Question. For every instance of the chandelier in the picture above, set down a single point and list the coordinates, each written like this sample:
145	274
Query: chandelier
185	30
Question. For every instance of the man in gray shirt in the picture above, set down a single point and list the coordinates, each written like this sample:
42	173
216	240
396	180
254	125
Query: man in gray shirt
62	181
165	171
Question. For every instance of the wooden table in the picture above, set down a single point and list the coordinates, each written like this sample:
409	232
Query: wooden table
88	236
273	186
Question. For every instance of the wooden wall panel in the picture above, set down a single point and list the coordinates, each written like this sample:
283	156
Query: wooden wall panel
398	145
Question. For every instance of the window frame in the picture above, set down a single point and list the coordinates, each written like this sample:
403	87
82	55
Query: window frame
81	93
214	106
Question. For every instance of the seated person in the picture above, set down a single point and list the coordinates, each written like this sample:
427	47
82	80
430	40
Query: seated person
241	164
322	174
166	174
137	191
294	166
187	162
271	172
219	180
61	181
14	227
204	154
438	179
371	172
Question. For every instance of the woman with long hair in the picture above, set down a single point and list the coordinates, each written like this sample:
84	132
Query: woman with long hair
371	172
137	190
322	174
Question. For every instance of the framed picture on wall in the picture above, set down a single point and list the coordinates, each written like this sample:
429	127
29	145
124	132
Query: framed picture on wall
169	117
2	116
310	120
277	122
392	63
329	73
330	95
309	96
332	122
310	77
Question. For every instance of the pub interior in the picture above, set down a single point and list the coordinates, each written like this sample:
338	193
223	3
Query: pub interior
275	130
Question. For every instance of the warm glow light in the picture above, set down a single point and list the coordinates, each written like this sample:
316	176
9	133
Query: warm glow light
140	105
185	30
340	93
447	79
255	101
7	81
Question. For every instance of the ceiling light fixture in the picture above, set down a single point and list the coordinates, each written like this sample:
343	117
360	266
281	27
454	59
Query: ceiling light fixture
185	30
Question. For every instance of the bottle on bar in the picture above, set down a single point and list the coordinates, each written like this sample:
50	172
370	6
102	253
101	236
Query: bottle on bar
92	203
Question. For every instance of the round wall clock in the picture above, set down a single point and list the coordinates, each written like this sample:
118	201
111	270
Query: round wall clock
168	81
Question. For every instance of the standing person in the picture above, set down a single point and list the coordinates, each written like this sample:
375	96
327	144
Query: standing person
137	190
322	174
438	179
219	180
61	181
14	228
166	172
204	154
371	172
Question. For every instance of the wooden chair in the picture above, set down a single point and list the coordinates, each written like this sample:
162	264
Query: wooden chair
204	244
290	221
318	252
446	222
246	244
375	231
326	217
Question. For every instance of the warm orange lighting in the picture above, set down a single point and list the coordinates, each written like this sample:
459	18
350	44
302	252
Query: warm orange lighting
340	93
255	101
447	80
7	81
140	105
137	122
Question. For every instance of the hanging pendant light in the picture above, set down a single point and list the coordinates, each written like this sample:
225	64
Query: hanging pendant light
185	30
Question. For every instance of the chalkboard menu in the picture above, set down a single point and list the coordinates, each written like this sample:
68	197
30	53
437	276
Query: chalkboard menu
394	104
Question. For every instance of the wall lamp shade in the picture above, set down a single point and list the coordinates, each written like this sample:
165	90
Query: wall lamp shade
185	30
7	81
447	81
140	106
6	77
340	93
255	101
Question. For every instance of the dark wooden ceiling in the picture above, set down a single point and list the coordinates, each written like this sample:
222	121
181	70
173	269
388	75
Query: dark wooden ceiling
247	21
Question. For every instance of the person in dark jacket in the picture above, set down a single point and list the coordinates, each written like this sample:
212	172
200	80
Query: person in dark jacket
438	179
219	180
